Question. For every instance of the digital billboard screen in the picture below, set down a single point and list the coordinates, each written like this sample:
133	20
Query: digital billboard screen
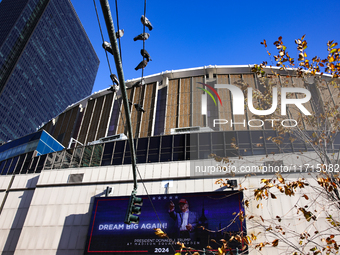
190	218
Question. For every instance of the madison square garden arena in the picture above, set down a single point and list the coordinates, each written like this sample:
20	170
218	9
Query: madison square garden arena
66	188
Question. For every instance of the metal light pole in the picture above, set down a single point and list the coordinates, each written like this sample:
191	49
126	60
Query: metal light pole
113	40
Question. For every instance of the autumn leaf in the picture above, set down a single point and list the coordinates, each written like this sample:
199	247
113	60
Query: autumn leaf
221	251
280	178
246	203
275	242
181	244
307	214
160	232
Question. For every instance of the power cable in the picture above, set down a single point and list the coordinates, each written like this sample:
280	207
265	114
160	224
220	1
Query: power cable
107	57
141	80
101	32
144	33
120	49
140	92
153	207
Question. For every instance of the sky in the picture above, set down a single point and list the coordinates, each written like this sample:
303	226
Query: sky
188	34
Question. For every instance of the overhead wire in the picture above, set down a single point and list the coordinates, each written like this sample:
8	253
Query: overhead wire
120	49
144	33
101	32
141	80
107	57
140	100
153	207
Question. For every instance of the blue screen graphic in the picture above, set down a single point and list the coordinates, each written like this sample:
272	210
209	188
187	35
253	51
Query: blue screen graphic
210	215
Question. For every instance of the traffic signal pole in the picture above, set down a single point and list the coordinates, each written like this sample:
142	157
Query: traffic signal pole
113	40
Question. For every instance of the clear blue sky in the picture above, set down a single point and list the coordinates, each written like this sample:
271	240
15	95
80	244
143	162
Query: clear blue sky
198	33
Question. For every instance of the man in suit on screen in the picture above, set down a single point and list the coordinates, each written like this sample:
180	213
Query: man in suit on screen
186	221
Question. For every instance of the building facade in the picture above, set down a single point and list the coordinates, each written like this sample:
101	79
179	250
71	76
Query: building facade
51	203
46	63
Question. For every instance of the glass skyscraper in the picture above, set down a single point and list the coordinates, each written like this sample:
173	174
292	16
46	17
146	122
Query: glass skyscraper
46	63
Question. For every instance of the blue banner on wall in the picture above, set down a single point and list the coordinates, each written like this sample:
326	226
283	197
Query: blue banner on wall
207	216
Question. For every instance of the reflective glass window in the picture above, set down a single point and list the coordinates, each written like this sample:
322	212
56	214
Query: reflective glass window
59	155
192	146
27	163
217	141
160	111
41	163
77	155
271	140
244	143
19	165
119	152
67	158
85	161
13	165
97	155
107	154
49	161
204	145
153	153
142	147
2	164
33	165
257	140
286	145
179	147
166	148
6	167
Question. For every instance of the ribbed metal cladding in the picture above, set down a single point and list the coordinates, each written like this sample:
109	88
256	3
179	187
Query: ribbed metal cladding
104	122
197	117
292	111
147	117
181	106
172	106
47	127
121	119
71	126
238	120
58	124
63	128
86	121
138	98
249	79
184	118
298	82
225	111
95	120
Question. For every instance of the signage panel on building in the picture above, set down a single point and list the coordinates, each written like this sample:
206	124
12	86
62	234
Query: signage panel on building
211	215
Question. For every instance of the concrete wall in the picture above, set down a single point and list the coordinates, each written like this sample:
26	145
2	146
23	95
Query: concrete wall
44	214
